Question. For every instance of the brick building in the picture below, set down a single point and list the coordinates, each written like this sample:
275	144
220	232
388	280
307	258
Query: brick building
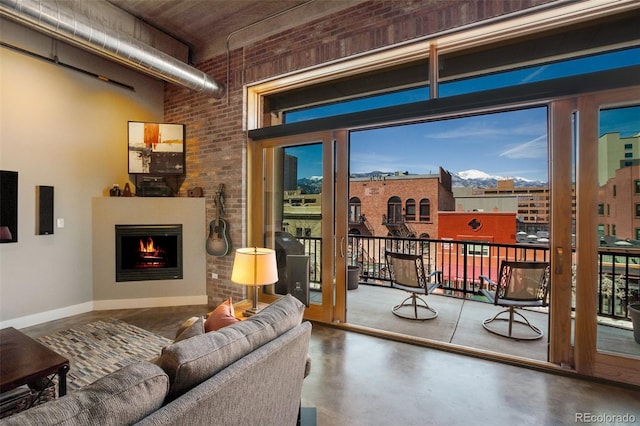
619	205
401	205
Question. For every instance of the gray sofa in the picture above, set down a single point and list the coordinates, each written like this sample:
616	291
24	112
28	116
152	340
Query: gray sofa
249	373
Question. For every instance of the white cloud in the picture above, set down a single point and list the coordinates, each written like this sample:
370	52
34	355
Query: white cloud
535	148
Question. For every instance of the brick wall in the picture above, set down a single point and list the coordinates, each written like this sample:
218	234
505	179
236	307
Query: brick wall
375	194
216	143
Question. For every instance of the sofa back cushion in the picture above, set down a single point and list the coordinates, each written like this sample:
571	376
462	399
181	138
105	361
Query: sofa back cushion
122	397
192	361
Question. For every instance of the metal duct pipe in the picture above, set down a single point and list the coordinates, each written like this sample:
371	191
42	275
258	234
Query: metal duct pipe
57	20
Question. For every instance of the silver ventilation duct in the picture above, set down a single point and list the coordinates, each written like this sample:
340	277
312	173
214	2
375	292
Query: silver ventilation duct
57	20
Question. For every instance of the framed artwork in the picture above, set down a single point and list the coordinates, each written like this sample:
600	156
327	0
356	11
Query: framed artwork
156	148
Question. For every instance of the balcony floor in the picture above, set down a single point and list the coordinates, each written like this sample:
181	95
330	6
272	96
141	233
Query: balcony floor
459	322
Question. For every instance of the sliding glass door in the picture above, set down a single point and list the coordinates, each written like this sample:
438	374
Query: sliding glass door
607	234
294	211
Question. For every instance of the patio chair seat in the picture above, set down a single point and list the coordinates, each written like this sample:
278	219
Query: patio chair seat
519	285
407	273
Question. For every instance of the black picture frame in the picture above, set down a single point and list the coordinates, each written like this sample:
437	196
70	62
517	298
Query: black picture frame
155	148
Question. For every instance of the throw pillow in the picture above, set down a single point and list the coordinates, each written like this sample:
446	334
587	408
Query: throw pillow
191	327
221	316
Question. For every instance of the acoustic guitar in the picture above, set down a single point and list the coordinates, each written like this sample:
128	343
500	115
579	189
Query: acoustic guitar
218	241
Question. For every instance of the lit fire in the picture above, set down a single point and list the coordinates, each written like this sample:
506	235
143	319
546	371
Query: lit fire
148	247
150	254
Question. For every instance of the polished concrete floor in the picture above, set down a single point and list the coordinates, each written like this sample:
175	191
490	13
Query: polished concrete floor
357	379
459	322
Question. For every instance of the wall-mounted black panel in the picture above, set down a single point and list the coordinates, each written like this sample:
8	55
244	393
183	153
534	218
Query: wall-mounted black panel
44	210
8	206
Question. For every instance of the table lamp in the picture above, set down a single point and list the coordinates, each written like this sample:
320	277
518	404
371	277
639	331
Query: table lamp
254	266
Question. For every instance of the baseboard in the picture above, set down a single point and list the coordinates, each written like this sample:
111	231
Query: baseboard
102	305
55	314
149	302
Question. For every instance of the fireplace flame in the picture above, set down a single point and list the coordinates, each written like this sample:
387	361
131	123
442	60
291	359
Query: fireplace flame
148	248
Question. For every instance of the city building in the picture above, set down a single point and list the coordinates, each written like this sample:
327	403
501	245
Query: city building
400	204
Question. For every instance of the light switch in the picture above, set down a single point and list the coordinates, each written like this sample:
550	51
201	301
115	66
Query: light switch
60	222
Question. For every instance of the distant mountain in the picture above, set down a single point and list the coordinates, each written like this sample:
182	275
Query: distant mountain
478	179
310	185
466	179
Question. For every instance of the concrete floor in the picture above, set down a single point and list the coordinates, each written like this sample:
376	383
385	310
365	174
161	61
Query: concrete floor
357	379
459	322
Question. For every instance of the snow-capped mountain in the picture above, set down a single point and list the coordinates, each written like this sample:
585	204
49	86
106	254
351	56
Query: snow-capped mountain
479	179
466	179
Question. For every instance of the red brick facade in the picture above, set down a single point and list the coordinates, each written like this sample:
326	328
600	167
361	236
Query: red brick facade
374	196
216	141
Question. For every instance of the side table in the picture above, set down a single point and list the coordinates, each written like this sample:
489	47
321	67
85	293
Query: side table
24	360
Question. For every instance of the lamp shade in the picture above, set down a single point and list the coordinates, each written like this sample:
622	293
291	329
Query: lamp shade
254	266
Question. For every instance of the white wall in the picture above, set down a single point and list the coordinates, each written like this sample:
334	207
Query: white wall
65	129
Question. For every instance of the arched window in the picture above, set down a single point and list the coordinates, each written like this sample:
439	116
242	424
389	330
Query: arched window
394	210
410	209
355	209
425	210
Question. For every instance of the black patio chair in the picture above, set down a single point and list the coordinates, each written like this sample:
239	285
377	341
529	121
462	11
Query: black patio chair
520	285
407	273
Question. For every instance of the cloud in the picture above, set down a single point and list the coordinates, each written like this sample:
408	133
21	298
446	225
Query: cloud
488	129
535	148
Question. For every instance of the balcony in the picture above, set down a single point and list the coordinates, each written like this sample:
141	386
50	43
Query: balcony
461	308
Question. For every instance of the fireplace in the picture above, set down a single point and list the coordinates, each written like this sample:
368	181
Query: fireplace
148	252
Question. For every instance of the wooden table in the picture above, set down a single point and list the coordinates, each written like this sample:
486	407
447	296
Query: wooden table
243	305
24	360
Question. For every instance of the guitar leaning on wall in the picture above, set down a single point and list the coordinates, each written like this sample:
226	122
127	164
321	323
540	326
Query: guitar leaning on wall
218	242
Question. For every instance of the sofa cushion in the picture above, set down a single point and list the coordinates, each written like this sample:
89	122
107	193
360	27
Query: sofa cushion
194	326
122	397
192	361
221	316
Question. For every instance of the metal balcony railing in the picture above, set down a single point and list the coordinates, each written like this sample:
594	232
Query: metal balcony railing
463	262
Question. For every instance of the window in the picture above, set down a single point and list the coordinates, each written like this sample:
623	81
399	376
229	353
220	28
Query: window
628	155
476	249
425	210
637	185
615	190
451	85
410	209
355	209
394	210
628	146
601	209
637	234
542	72
638	210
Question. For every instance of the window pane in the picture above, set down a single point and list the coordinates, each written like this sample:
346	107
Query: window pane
355	105
549	71
619	251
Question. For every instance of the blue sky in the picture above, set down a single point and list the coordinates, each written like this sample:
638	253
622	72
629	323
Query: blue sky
502	144
506	144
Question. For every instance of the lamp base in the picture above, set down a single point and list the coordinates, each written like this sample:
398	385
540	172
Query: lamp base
250	312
